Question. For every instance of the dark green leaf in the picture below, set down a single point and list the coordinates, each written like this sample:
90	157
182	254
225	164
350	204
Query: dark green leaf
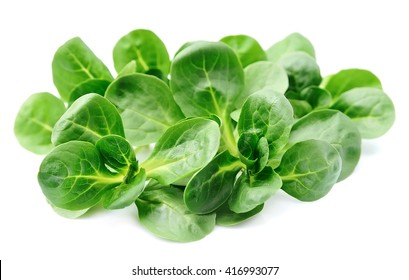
116	152
73	64
317	97
89	118
74	177
211	186
292	43
251	191
146	106
182	150
163	212
267	113
370	109
300	107
35	121
302	70
247	48
127	192
335	128
146	48
309	169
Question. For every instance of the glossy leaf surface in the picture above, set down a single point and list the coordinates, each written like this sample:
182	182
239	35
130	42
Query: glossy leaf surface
182	150
212	185
73	64
146	106
335	128
309	169
88	119
146	49
251	191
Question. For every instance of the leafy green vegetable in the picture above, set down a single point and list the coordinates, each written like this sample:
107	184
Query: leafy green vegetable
246	47
212	186
370	109
302	70
162	211
348	79
182	150
251	191
73	64
294	42
88	119
267	113
207	79
146	106
146	49
197	141
260	75
98	86
35	121
74	177
309	169
335	128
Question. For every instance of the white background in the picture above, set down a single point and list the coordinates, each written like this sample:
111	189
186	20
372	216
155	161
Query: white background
358	231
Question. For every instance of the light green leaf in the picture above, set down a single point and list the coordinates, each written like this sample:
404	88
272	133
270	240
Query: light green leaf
247	48
294	42
348	79
35	121
370	109
73	64
147	49
146	106
182	150
89	86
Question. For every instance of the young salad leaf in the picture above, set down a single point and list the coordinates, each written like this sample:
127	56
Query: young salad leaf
73	64
309	169
302	70
182	150
260	75
98	86
73	176
252	191
348	79
246	47
35	121
146	106
211	186
162	211
335	128
146	49
207	79
294	42
268	114
88	119
370	109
